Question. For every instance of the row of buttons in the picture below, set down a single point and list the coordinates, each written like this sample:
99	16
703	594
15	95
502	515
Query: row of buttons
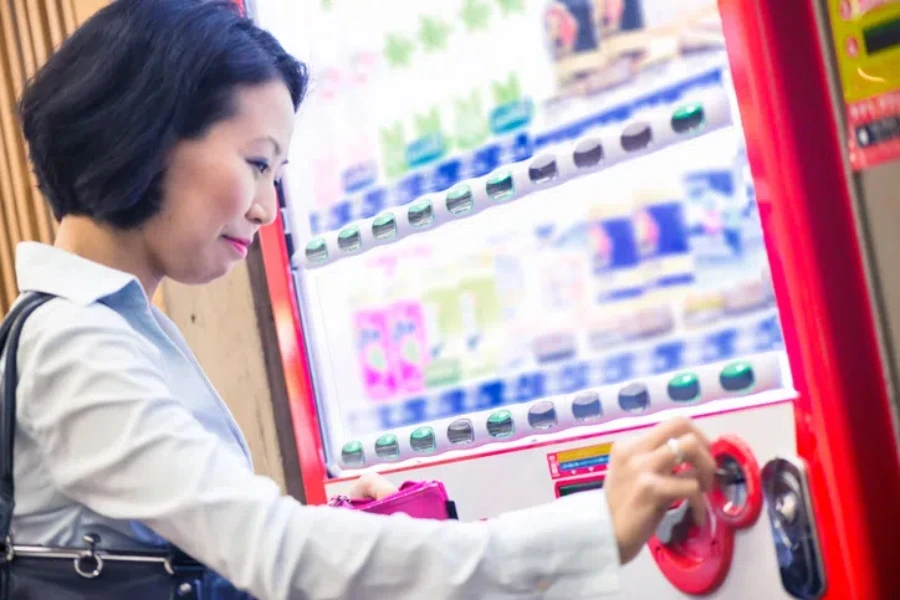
372	201
500	187
586	407
758	333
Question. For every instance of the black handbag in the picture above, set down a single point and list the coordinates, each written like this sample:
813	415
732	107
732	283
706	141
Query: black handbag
45	573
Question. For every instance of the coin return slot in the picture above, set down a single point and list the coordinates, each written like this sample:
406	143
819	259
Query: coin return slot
500	186
387	446
349	239
500	424
792	522
460	200
542	415
588	153
317	250
461	432
422	440
384	227
421	214
636	136
634	397
543	169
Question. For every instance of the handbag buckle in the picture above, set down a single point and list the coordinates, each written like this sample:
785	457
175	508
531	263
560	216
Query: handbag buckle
89	564
10	550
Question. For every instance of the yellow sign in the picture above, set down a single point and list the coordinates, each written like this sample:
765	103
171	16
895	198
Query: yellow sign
583	453
866	36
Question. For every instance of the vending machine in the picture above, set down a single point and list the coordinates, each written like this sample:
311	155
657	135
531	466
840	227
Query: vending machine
517	232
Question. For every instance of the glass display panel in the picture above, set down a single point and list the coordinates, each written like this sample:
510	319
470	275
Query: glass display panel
516	218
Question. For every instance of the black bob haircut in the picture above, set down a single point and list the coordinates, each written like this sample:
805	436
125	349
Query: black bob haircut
103	113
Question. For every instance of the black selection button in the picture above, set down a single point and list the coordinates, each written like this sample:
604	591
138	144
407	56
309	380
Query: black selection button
634	397
588	153
586	406
543	169
636	136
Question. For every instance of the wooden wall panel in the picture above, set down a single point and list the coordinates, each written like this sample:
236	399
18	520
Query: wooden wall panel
29	32
83	9
220	321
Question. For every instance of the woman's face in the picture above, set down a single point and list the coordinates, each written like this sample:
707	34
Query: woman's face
220	189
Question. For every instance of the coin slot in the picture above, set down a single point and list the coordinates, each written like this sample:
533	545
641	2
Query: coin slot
736	496
733	484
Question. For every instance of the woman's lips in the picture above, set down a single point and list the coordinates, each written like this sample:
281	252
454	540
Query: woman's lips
239	245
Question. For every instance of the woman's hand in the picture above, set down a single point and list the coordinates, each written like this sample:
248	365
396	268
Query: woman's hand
372	486
641	485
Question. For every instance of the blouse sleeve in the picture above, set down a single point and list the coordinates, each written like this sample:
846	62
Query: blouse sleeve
119	441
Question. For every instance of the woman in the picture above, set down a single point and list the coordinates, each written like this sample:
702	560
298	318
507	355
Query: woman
157	133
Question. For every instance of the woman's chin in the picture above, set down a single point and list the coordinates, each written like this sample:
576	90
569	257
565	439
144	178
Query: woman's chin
205	275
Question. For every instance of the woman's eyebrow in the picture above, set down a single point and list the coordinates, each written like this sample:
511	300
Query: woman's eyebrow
271	140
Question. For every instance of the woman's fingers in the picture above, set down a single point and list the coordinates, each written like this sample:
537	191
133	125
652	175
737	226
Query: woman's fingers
372	486
641	485
699	508
693	451
673	428
669	489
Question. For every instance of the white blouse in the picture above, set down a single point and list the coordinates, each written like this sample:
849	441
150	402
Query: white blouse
120	434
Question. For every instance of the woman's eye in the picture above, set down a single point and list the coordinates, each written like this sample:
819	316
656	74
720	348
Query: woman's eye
260	165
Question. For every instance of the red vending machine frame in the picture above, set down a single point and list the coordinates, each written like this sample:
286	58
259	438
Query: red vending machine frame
844	421
845	426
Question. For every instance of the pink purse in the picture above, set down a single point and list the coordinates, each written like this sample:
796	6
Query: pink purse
418	499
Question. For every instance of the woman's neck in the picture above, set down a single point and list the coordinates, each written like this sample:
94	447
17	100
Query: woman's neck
121	250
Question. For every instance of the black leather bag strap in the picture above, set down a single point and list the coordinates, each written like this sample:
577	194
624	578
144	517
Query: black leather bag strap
185	567
10	331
